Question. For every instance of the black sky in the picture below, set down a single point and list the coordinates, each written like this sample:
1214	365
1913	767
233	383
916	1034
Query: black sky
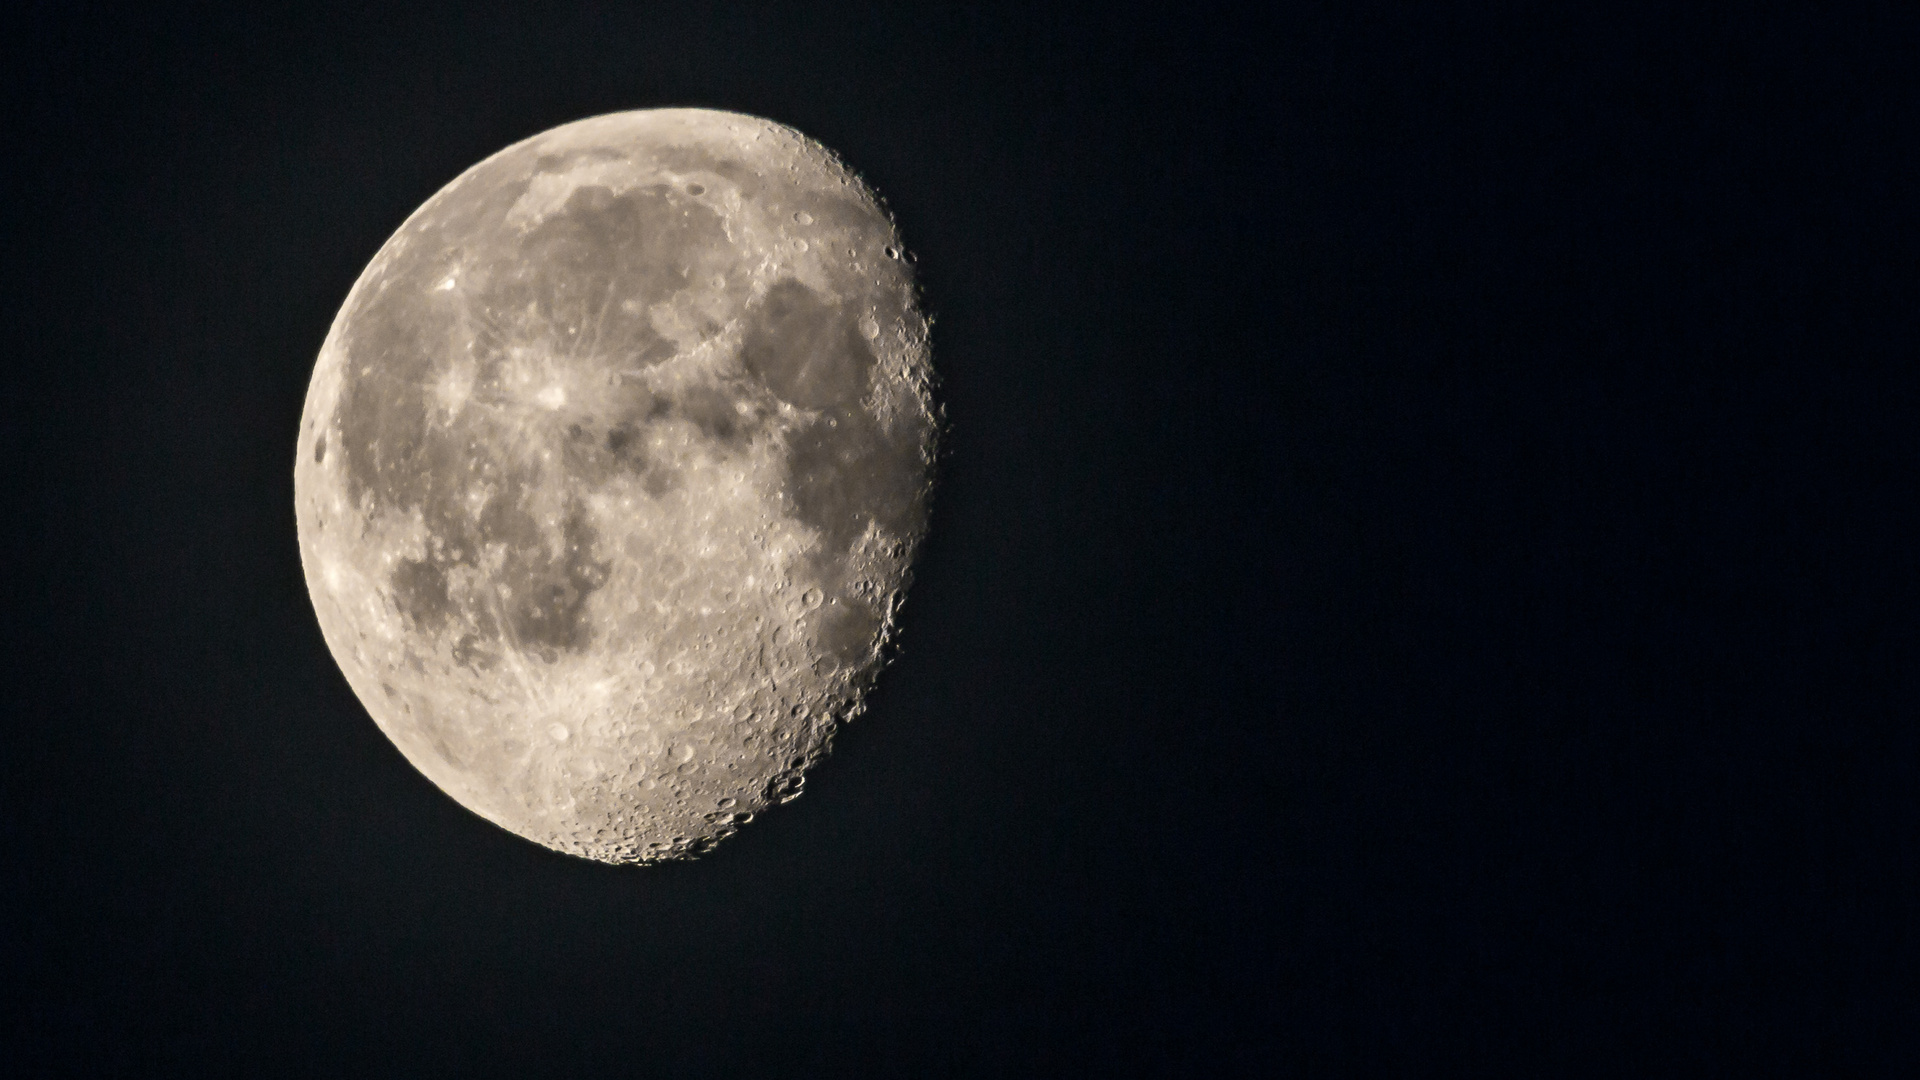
1423	578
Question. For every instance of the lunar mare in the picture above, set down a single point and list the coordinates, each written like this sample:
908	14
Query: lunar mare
611	474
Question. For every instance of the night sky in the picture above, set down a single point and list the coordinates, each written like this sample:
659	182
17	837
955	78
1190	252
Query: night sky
1421	582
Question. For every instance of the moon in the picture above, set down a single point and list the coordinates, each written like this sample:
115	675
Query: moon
611	475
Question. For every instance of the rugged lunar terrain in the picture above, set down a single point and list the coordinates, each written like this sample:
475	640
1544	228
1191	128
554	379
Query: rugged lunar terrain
611	472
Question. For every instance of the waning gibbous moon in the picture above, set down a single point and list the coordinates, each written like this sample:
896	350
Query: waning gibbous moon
611	474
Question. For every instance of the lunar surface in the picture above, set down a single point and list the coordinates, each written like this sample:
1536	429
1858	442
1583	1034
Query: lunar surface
611	473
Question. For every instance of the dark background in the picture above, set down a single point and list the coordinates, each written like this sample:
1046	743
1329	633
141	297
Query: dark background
1422	580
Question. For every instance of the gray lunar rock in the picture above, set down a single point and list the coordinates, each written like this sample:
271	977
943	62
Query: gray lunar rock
611	472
